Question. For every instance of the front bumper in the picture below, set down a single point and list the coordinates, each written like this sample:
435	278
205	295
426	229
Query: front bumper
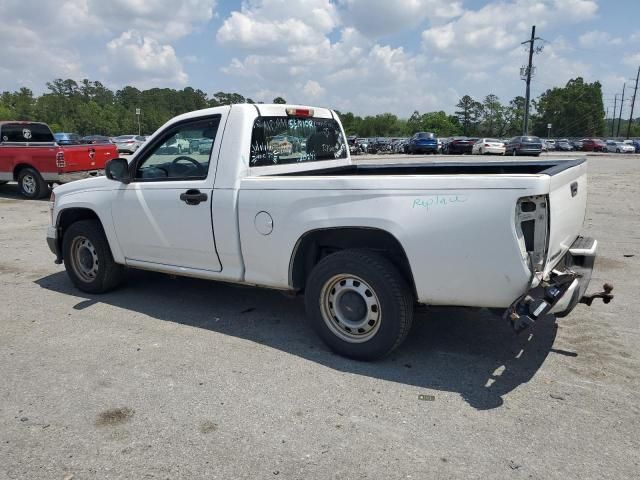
53	243
562	291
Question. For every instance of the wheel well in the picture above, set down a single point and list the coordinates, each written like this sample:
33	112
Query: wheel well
18	168
315	245
71	215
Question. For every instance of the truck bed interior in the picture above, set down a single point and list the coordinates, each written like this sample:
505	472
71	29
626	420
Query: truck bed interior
545	167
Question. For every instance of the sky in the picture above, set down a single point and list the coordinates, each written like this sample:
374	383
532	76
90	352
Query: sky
363	56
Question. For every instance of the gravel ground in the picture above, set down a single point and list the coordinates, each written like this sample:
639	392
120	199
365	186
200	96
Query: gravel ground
181	378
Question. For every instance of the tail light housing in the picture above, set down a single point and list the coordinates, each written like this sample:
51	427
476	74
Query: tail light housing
532	230
60	163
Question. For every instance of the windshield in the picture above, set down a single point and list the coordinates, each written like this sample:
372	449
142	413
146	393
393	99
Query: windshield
425	135
124	137
281	140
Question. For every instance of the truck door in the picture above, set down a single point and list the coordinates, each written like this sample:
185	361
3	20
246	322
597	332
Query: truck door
164	215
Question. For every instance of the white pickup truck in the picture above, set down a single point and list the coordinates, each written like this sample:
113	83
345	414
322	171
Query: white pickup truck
275	201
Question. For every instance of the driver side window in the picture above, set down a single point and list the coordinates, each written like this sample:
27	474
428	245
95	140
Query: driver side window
182	153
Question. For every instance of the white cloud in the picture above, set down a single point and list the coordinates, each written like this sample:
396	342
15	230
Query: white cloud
143	61
596	38
376	18
159	19
632	59
278	24
313	89
32	61
498	26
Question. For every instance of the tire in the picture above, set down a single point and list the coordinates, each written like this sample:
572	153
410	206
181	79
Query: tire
88	259
31	184
378	291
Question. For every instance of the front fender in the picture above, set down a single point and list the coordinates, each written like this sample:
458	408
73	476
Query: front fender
99	202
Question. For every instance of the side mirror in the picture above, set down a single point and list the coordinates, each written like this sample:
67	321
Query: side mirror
118	170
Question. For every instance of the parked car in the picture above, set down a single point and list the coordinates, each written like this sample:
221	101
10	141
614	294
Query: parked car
551	144
564	145
524	145
93	139
354	148
459	145
67	138
128	143
486	146
382	145
349	236
593	145
635	143
577	144
619	147
423	142
31	156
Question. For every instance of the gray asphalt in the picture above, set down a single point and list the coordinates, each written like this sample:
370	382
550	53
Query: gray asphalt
180	378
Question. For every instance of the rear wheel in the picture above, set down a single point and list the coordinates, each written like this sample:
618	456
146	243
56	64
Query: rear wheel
359	304
88	259
31	184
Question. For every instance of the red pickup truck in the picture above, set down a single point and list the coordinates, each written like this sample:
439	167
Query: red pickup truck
30	155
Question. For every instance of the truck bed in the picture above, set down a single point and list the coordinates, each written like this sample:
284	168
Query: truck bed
536	167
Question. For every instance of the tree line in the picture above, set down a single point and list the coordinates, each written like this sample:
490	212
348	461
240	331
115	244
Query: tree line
89	107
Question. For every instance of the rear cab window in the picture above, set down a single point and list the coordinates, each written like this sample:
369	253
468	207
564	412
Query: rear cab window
25	132
278	140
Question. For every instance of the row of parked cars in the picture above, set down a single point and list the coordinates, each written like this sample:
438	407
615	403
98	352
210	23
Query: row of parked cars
427	142
124	143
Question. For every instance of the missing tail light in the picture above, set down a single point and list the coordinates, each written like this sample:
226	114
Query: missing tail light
532	229
60	163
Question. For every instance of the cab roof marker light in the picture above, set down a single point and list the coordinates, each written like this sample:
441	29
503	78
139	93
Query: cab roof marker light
299	112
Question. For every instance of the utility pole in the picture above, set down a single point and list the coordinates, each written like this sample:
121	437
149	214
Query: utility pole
526	73
633	101
621	105
613	119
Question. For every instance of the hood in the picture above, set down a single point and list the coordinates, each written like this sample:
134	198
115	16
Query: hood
93	183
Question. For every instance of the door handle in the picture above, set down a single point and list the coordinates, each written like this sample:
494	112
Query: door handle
193	197
574	189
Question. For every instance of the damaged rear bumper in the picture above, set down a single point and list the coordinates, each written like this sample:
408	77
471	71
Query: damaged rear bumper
563	290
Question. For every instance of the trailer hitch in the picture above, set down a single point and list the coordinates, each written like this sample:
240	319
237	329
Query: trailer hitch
606	295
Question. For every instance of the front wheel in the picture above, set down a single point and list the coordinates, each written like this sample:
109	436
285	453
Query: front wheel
88	259
359	304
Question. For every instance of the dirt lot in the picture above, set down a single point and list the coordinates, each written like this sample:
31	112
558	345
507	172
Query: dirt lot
180	378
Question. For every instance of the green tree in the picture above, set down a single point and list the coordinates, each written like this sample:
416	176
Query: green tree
279	100
573	110
469	112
